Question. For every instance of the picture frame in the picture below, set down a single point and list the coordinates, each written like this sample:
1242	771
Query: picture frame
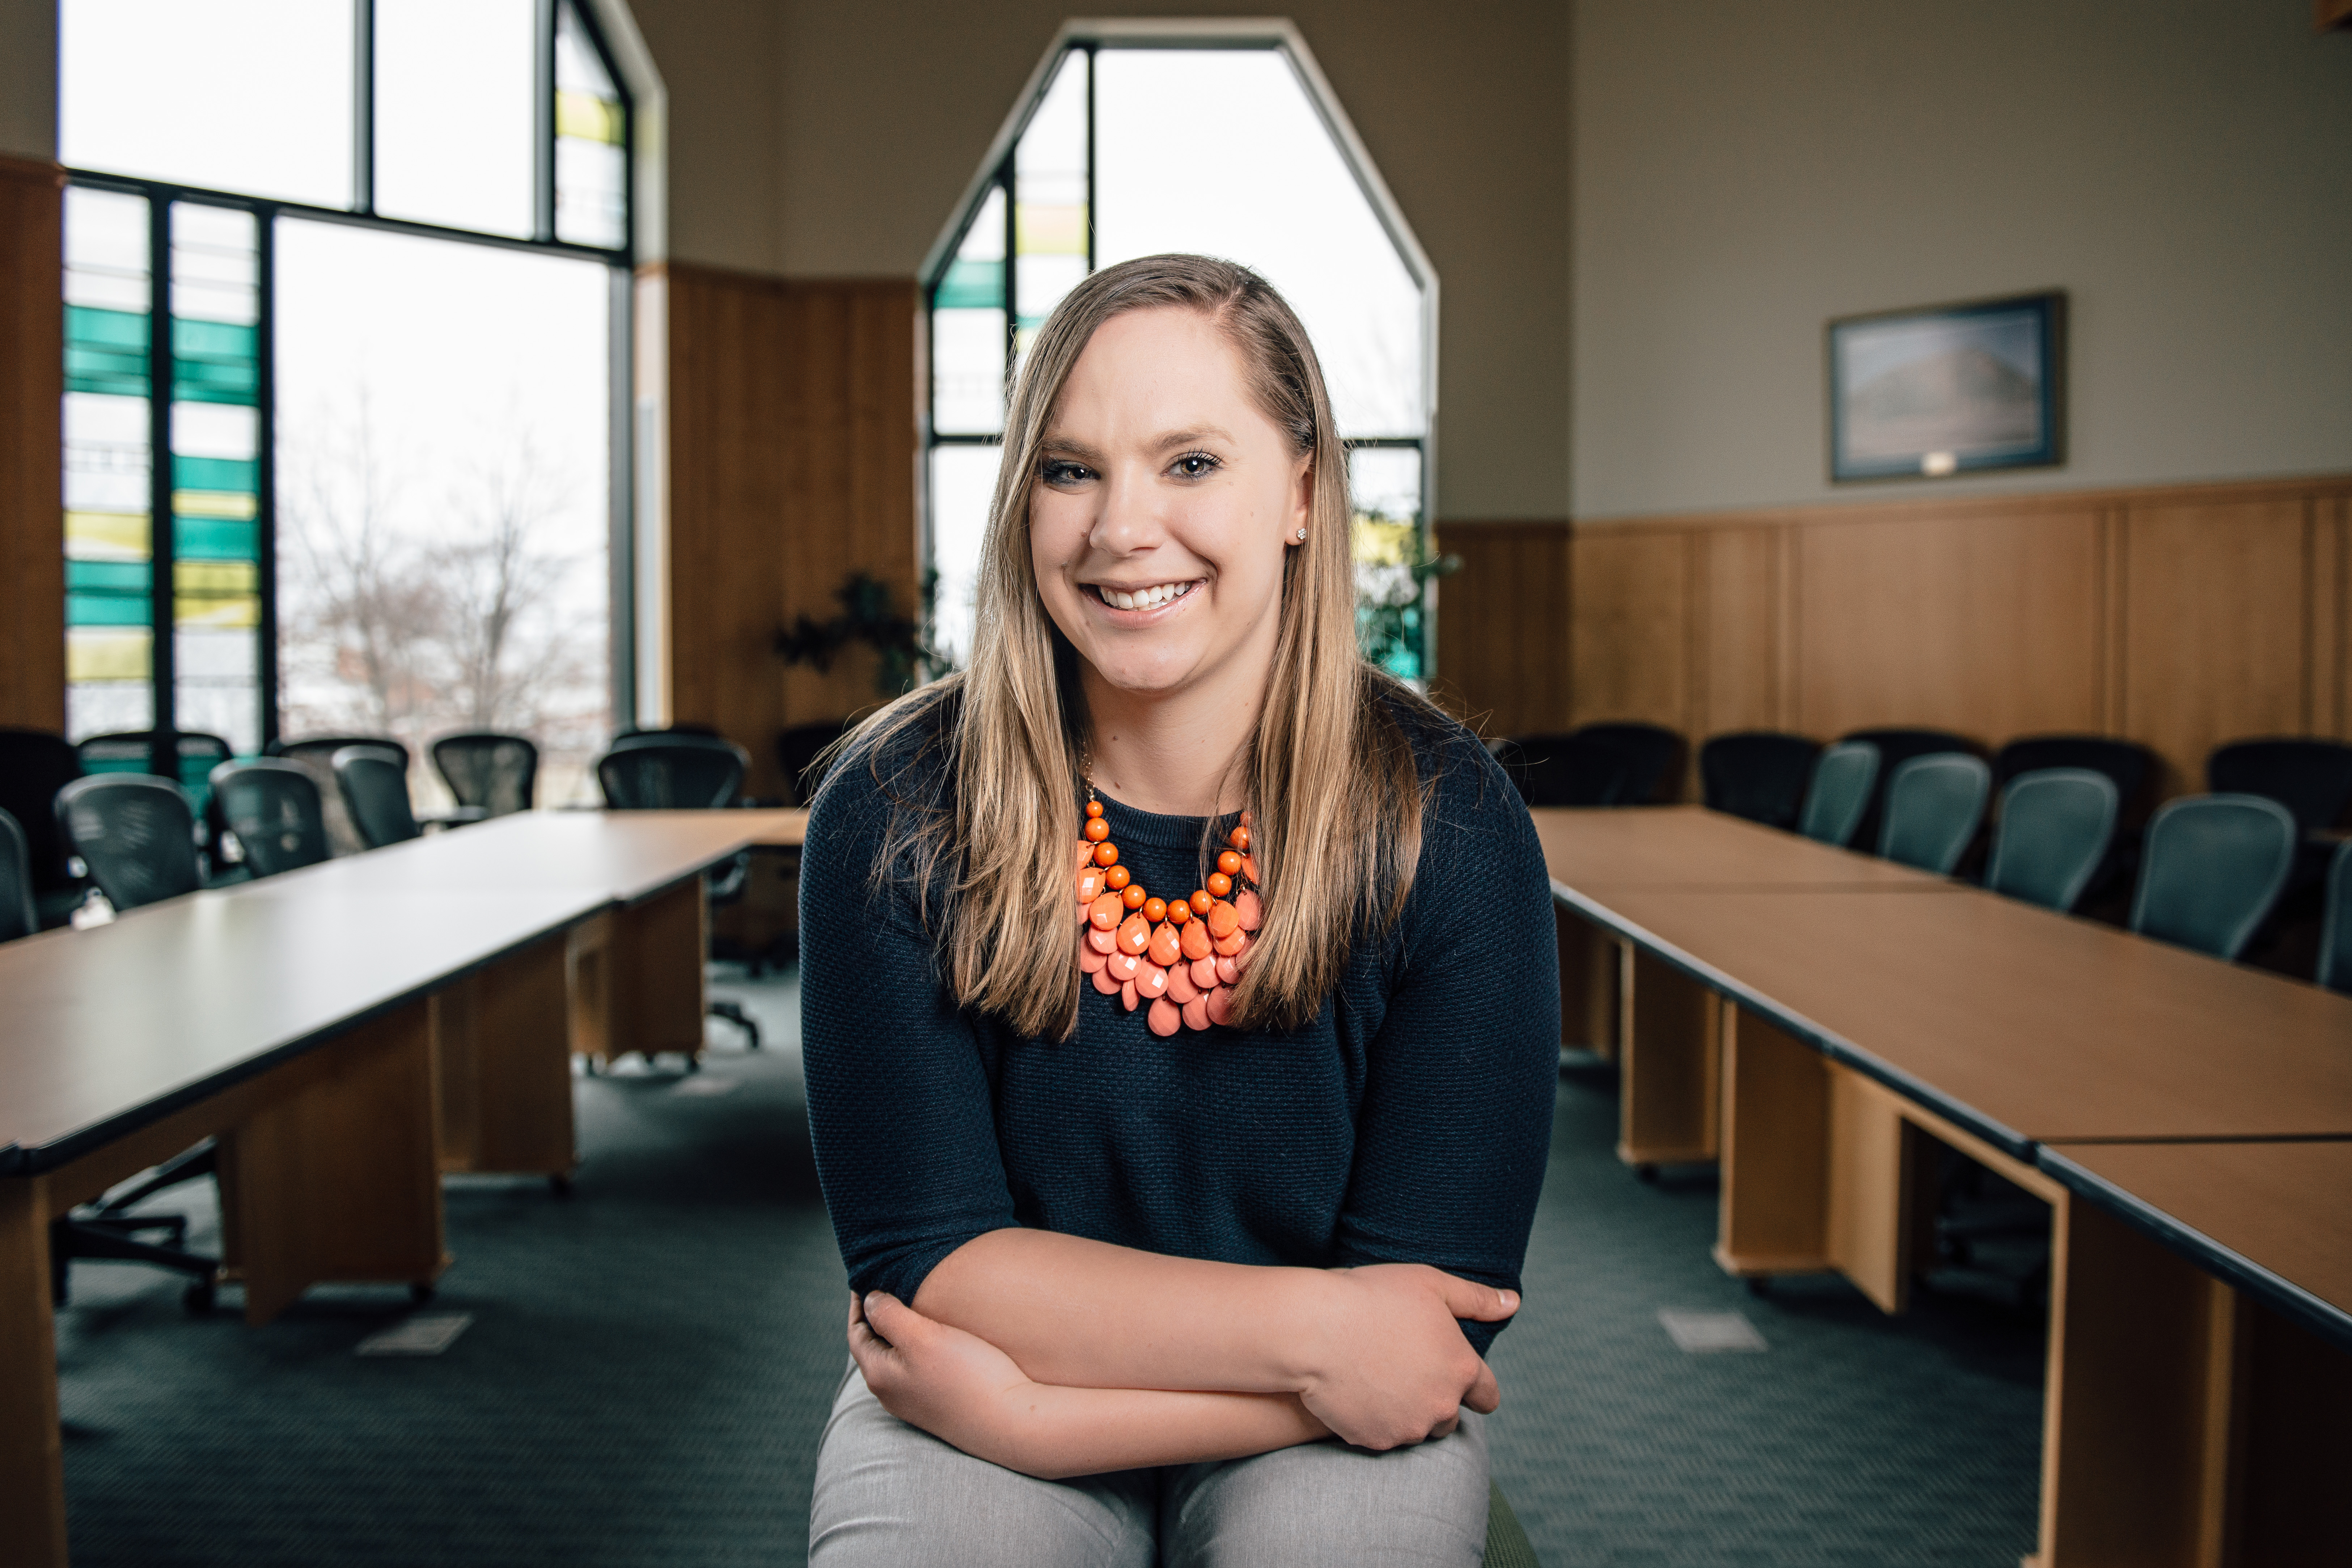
1930	391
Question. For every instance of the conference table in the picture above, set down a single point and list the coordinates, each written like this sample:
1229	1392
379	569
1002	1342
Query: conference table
2189	1122
310	1023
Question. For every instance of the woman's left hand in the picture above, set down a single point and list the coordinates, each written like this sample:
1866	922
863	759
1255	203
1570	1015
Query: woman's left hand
955	1385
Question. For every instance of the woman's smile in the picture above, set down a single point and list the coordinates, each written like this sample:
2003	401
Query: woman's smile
1145	605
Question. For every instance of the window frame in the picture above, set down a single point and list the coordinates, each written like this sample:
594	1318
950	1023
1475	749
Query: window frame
620	261
996	174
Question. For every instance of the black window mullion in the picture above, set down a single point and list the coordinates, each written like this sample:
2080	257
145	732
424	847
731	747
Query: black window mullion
266	657
543	157
164	755
364	106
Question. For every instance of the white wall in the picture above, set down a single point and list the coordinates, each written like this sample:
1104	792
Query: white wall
1743	173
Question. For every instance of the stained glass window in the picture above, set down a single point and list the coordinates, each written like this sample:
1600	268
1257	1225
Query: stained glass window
591	140
1134	148
229	95
453	97
110	641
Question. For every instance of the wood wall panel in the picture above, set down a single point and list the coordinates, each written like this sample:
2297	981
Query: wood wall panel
2179	616
1502	627
791	464
32	391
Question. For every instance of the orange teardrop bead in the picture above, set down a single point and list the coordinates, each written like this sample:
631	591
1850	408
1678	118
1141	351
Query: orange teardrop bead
1231	943
1105	912
1126	995
1086	854
1090	885
1101	941
1165	945
1150	981
1165	1018
1226	974
1105	983
1134	935
1089	959
1204	973
1219	1005
1181	988
1251	913
1194	940
1196	1013
1223	921
1122	966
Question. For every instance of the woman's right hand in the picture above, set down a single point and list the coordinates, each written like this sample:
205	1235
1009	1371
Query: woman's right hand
1387	1365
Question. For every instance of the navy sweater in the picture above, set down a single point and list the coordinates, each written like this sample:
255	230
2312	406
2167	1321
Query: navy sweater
1408	1122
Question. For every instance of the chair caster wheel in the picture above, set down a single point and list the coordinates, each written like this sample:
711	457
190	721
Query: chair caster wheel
422	1291
693	1063
1759	1285
197	1299
1646	1173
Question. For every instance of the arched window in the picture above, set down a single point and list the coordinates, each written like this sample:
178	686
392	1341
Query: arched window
345	284
1221	139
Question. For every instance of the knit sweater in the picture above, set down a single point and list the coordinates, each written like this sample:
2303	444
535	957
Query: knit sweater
1408	1122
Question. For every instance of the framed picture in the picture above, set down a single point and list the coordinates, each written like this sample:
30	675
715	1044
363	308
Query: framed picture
1948	389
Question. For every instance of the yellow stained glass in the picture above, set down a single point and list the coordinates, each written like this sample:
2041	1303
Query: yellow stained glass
217	593
108	535
109	653
1380	542
1040	229
588	117
215	504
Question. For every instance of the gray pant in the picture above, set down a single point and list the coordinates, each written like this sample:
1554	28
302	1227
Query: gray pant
894	1496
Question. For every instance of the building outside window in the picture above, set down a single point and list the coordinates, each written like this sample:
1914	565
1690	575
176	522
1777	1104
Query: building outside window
361	478
1220	139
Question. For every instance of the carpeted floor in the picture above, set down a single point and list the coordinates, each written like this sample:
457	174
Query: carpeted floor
650	1359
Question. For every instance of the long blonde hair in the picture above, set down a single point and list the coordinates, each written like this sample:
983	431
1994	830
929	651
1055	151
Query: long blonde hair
1330	774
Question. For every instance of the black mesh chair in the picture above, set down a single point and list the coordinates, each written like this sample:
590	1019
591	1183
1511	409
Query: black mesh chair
2336	927
1565	769
273	807
189	758
136	834
2212	867
1653	761
33	766
1895	747
1933	806
673	770
1758	774
376	796
2056	826
17	915
493	774
316	755
1843	777
798	749
2312	778
2132	767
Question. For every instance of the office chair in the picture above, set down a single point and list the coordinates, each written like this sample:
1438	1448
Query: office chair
1895	747
137	836
2336	930
2312	778
1758	774
492	774
1566	769
657	770
1653	761
2055	829
316	755
18	917
193	756
797	749
2212	867
1840	792
33	766
1933	805
135	832
273	807
375	795
2134	769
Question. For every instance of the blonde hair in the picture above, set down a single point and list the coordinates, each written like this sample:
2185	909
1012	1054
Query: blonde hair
1330	774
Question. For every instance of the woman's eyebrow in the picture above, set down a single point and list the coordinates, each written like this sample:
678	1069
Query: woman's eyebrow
1064	446
1193	437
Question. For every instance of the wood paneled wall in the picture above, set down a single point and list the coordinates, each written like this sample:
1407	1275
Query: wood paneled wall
791	456
32	390
2180	617
1502	627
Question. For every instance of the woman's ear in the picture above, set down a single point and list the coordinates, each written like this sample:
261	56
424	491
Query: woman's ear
1302	496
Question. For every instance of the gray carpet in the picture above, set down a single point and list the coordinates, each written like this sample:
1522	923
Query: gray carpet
650	1360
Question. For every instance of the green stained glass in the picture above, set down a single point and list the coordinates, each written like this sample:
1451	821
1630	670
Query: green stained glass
238	474
215	361
215	539
106	350
107	592
972	286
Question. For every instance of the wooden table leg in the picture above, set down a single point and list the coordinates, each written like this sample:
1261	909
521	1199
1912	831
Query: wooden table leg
1774	1216
32	1462
502	1067
337	1178
1669	1033
1587	986
655	957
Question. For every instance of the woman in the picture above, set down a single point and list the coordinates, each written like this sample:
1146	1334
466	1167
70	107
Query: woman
1155	1176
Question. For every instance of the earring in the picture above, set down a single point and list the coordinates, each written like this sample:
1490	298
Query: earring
1302	536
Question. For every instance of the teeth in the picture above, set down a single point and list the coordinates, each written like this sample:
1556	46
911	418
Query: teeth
1144	597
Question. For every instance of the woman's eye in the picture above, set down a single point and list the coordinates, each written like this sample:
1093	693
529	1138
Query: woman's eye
1058	472
1195	466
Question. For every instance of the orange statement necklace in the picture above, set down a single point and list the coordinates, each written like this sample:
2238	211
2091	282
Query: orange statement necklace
1183	957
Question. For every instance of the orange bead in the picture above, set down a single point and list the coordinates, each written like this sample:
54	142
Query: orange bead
1117	877
1089	961
1105	854
1223	920
1230	946
1102	913
1151	982
1181	988
1155	910
1252	912
1249	869
1126	995
1134	935
1105	983
1122	966
1165	1018
1201	900
1179	913
1085	853
1238	838
1102	939
1090	885
1246	819
1205	974
1229	863
1194	941
1228	973
1165	945
1094	808
1195	1013
1132	896
1096	829
1220	884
